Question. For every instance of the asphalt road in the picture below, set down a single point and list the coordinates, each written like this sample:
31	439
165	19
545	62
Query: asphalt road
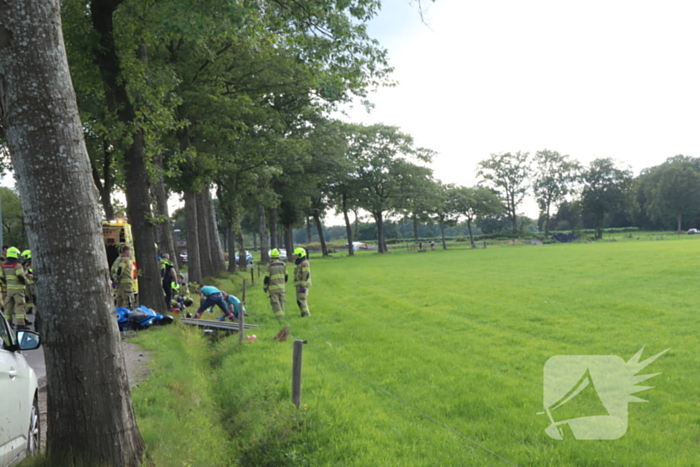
35	358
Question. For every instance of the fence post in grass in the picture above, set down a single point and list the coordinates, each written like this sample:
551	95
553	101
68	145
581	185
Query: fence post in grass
243	292
241	320
296	372
484	243
252	276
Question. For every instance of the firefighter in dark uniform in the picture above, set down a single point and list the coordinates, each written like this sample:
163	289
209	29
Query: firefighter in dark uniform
274	283
302	280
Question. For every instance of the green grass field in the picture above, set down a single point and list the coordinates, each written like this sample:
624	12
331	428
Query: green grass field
400	341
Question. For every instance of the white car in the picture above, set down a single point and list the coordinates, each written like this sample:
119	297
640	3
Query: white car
19	397
283	254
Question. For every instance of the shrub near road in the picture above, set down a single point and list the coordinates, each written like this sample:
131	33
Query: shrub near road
462	337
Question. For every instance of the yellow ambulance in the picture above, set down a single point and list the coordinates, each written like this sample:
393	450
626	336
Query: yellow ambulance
117	234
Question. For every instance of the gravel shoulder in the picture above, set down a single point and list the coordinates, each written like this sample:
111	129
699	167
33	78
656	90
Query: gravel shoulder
136	360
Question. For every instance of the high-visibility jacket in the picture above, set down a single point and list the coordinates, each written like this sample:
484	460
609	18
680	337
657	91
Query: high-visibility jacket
302	273
13	275
122	270
275	276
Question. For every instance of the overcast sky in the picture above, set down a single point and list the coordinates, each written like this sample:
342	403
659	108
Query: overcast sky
590	79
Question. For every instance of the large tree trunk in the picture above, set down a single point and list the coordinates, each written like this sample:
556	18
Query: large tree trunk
242	261
442	233
379	219
348	227
138	197
319	229
230	238
104	180
91	420
203	228
308	230
513	215
274	239
216	250
194	270
546	222
288	241
164	226
471	235
264	242
415	228
680	218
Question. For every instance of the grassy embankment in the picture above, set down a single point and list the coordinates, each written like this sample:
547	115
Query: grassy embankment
459	335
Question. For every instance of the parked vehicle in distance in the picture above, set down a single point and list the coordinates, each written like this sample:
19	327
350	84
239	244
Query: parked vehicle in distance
283	253
248	257
19	396
693	231
183	257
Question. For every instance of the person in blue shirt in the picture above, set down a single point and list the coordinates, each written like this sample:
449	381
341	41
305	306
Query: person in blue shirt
234	306
212	296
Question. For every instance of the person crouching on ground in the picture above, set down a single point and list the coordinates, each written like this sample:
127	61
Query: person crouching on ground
234	305
211	296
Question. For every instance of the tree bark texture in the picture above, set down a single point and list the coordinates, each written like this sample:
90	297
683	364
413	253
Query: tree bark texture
442	234
203	221
194	270
348	226
230	238
471	236
241	249
138	198
319	229
288	241
104	180
379	219
274	239
216	250
90	417
264	242
164	227
415	228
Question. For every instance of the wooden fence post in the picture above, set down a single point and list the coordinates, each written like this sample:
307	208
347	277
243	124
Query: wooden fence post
296	372
243	293
241	320
252	276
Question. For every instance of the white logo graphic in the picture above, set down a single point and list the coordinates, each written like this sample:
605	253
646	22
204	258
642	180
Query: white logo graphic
586	396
